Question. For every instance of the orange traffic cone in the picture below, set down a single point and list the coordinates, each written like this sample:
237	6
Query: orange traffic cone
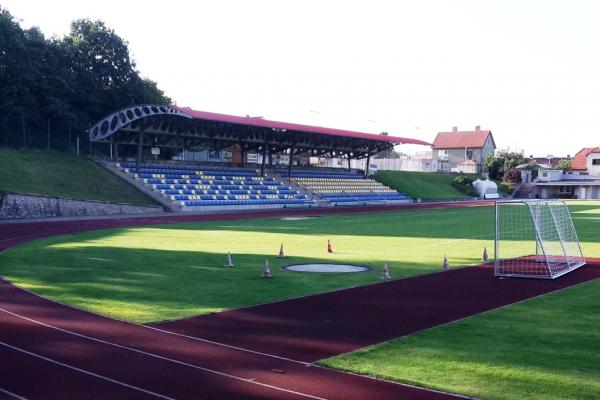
281	253
229	261
445	265
329	247
485	257
386	272
267	270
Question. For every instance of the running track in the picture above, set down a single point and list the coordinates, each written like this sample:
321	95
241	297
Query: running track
52	351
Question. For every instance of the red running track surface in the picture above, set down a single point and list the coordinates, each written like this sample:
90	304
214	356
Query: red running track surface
49	351
320	326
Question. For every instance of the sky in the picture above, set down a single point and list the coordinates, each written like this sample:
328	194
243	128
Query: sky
529	70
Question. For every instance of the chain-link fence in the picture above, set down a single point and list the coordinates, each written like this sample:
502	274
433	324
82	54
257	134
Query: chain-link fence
26	132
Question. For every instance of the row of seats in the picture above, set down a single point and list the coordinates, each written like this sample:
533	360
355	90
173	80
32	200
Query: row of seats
346	187
192	187
321	174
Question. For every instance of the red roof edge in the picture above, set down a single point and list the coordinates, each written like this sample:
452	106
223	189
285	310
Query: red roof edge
265	123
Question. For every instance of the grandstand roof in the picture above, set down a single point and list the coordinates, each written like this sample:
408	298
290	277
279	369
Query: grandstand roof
182	127
461	139
260	122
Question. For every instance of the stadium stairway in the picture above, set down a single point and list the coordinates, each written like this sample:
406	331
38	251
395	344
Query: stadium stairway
213	188
343	187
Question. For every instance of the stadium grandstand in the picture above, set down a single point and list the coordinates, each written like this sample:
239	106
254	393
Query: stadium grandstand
237	183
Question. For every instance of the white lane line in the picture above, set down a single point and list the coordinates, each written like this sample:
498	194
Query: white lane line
199	339
306	364
85	371
212	371
14	395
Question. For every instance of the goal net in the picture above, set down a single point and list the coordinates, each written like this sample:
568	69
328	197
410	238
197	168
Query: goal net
535	239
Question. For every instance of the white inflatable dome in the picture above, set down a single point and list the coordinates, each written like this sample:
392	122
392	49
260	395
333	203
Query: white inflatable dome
486	189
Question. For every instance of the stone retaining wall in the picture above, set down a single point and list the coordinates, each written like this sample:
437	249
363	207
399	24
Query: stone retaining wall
14	206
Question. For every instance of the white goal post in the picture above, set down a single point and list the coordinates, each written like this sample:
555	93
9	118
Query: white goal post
535	239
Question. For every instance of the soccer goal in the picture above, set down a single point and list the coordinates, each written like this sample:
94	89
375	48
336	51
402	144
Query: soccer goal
535	239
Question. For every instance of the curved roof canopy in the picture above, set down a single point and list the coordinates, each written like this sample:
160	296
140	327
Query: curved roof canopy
178	127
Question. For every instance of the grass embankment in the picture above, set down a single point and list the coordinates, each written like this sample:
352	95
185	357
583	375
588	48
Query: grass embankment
154	273
62	175
422	185
544	348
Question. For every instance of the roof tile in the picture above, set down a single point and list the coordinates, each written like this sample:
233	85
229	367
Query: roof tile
461	139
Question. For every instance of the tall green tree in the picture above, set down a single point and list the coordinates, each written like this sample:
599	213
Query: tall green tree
66	82
497	164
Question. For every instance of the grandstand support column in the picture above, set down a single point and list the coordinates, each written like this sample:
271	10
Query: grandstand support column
290	161
367	163
138	162
243	155
349	159
264	157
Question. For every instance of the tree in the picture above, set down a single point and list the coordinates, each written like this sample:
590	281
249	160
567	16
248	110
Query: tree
497	164
512	176
565	165
70	81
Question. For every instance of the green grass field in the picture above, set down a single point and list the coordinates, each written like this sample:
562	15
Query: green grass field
421	185
543	348
155	273
58	174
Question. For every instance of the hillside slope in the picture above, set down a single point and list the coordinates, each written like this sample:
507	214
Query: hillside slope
421	185
62	175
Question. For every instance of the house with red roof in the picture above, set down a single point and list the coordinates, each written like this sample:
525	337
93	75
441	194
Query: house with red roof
462	151
587	161
582	182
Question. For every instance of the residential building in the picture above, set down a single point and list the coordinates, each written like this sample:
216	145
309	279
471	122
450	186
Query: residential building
587	161
462	151
556	184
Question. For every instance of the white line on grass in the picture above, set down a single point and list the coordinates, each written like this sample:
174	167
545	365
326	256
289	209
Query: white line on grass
223	374
84	372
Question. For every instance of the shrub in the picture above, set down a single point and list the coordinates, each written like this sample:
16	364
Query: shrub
465	185
512	176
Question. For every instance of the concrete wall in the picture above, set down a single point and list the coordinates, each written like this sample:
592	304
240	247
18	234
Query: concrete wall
13	206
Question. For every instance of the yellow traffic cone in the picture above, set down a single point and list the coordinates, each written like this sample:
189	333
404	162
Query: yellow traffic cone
281	253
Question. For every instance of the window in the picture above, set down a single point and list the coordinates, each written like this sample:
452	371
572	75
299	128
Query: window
596	161
470	154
